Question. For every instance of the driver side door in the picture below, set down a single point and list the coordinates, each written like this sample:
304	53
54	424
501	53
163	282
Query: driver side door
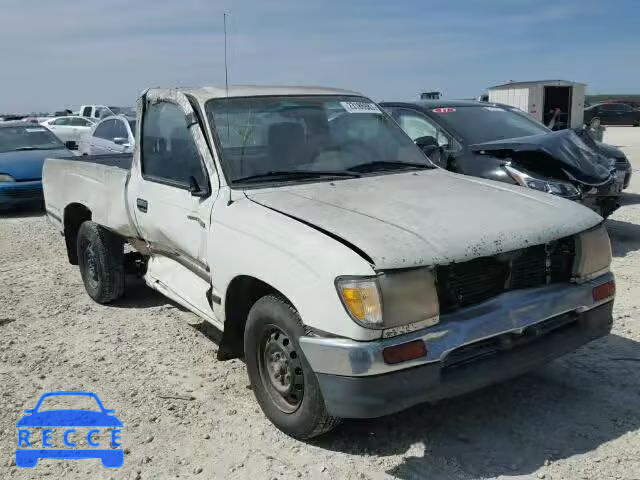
175	186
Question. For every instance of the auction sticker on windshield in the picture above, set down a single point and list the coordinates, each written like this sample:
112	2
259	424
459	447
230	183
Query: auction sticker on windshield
360	107
444	110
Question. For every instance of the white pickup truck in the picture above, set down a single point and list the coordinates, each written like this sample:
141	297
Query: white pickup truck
354	277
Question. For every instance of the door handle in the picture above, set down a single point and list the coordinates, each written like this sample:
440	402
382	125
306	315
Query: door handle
196	219
142	205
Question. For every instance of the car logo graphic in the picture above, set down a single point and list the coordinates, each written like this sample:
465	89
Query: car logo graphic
68	419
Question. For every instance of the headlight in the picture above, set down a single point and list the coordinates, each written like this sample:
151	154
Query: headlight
392	299
6	178
555	187
593	254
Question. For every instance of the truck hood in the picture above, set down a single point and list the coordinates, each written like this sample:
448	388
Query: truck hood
575	153
428	217
27	164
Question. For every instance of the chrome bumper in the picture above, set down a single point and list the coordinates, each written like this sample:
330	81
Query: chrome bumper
509	312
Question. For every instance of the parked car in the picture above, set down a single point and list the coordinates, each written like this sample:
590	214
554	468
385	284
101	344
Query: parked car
69	129
115	134
101	111
613	113
23	148
354	277
500	142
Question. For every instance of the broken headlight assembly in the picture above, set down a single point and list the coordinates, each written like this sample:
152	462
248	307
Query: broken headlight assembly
554	187
390	299
593	254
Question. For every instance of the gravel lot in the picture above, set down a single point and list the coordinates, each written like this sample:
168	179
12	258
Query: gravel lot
578	417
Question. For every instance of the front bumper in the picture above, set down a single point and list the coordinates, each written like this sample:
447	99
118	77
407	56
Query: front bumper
17	193
469	349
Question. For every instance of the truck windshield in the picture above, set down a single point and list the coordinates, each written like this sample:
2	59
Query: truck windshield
292	138
21	137
478	124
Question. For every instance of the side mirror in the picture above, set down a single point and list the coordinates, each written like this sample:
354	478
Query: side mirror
120	140
427	144
195	189
71	145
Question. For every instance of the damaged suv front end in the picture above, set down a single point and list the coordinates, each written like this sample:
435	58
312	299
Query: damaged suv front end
566	163
502	143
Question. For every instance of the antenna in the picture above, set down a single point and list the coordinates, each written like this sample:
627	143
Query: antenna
226	71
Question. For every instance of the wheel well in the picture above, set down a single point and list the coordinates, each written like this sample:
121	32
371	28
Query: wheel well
242	293
74	215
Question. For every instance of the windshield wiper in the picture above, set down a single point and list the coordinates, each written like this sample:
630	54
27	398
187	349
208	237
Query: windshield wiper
20	149
388	165
294	175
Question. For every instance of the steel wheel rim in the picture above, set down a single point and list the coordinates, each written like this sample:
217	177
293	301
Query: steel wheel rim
281	370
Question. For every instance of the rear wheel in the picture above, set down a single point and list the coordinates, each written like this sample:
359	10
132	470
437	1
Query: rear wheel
101	262
284	384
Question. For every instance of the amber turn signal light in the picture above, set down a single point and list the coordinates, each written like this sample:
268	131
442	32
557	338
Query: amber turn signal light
404	352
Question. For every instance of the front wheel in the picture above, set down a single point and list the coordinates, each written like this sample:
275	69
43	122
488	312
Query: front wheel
101	262
284	384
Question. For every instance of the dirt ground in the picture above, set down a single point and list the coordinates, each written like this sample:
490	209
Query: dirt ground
576	418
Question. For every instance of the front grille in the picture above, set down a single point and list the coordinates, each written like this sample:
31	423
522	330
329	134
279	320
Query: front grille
23	192
461	285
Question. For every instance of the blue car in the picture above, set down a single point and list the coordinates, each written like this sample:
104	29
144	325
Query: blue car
23	149
68	419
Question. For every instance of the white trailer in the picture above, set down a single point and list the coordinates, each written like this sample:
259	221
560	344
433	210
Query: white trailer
542	98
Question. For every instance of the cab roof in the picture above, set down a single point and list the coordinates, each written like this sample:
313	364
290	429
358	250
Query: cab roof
206	93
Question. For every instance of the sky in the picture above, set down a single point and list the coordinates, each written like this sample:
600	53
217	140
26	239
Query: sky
64	53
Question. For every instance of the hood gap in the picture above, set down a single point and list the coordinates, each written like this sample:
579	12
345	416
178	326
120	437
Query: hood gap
332	235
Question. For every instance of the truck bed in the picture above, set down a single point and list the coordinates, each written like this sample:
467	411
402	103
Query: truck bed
120	160
97	183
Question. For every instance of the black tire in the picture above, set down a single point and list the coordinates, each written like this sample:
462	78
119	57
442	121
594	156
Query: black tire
101	262
636	123
302	414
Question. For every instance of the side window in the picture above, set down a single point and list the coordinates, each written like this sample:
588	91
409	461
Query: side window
623	107
416	126
86	112
79	122
169	151
105	130
607	107
120	130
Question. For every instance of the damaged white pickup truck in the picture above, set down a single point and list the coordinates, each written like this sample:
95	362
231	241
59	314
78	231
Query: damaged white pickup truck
354	277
